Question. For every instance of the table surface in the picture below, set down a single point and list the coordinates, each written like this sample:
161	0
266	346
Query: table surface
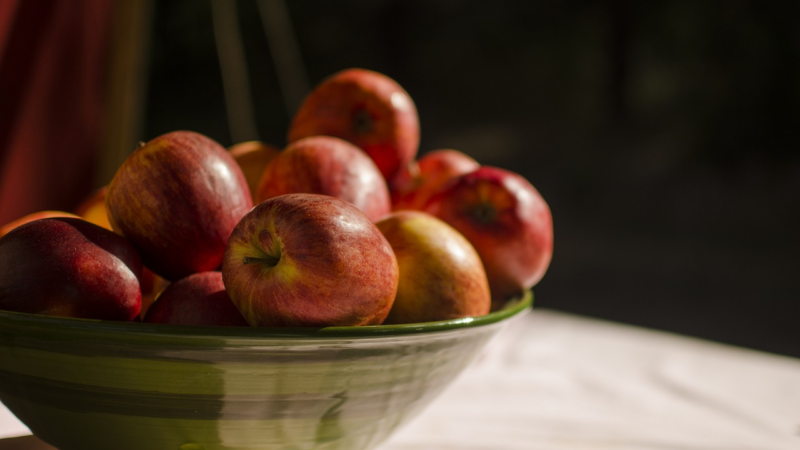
557	381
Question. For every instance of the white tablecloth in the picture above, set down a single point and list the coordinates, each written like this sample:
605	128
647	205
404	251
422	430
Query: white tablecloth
553	381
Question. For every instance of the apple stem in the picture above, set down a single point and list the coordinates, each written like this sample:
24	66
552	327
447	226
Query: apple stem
266	260
484	213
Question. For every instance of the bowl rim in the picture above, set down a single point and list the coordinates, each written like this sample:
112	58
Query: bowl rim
511	308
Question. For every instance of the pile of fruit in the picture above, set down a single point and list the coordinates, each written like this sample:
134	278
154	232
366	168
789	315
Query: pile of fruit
348	228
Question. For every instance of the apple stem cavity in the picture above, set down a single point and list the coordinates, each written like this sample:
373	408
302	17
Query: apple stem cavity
267	260
362	122
484	213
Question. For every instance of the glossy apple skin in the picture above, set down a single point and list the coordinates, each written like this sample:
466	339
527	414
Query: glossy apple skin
31	217
253	157
199	299
441	274
506	220
71	268
177	199
419	180
366	108
329	166
93	210
309	260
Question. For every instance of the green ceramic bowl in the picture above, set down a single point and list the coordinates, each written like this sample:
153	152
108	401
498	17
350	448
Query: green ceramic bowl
92	385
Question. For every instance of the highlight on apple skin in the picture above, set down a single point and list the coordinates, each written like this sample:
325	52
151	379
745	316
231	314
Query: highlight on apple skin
441	274
506	220
199	299
177	199
419	180
366	108
309	260
70	268
329	166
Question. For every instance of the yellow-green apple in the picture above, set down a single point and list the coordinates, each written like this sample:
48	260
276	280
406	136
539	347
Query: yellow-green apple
366	108
506	220
31	217
93	208
69	267
329	166
441	274
253	157
420	179
309	260
199	299
177	199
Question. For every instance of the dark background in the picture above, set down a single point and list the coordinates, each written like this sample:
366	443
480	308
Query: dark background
664	134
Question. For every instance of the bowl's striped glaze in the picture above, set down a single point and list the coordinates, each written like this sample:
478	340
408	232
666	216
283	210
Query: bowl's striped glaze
90	385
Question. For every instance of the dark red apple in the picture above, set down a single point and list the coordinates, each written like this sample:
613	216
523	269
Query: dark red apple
506	220
199	299
309	260
366	108
441	274
177	199
420	179
93	210
329	166
69	267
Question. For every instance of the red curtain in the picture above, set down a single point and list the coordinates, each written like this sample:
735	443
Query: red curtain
52	86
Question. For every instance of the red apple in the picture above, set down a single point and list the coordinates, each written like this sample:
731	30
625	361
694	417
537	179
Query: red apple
420	179
329	166
177	199
31	217
506	220
253	157
441	274
93	210
69	267
199	299
366	108
309	260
